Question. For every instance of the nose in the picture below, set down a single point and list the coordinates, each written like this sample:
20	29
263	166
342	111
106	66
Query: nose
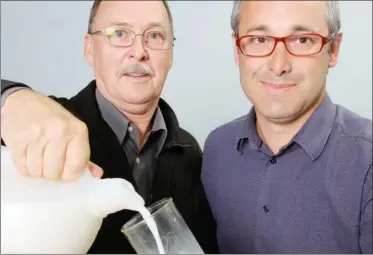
138	50
279	60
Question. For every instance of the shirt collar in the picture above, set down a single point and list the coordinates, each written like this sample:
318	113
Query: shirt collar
312	137
158	122
119	123
248	132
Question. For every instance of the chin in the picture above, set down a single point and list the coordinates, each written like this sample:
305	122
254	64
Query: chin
135	94
281	115
137	100
274	110
133	106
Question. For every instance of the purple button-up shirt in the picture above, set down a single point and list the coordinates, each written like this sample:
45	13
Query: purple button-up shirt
315	196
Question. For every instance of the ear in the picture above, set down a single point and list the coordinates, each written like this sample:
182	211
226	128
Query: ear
171	61
88	49
334	50
235	48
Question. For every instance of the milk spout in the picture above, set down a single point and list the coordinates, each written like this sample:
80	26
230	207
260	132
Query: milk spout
108	196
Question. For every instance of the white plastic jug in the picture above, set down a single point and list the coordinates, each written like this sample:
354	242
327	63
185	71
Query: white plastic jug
40	216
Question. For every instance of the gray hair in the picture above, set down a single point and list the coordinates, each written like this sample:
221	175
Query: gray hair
332	17
96	4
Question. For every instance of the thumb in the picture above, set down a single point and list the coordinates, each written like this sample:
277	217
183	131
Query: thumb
95	170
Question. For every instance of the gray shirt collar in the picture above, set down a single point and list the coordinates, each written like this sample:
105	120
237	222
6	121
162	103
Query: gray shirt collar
119	123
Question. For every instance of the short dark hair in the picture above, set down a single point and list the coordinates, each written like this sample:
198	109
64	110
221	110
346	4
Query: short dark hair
97	3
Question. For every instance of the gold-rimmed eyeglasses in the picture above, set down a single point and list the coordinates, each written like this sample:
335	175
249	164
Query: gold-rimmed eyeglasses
124	37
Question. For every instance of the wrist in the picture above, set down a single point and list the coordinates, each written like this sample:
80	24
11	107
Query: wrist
10	98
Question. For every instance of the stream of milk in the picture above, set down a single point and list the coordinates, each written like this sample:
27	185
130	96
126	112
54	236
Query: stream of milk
153	227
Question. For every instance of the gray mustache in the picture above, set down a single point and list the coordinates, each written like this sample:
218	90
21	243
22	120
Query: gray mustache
137	68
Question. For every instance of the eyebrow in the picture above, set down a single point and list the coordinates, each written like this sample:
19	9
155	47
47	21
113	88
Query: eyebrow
117	23
126	24
297	28
303	28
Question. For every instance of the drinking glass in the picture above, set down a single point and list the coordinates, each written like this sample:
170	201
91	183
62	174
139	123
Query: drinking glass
174	233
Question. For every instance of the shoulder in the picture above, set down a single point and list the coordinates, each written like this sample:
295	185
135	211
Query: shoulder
353	126
226	134
351	139
177	135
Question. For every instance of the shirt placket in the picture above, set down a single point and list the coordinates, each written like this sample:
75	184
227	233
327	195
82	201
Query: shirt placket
264	216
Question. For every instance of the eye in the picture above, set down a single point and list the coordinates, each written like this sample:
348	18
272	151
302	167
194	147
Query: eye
303	40
258	39
155	36
120	33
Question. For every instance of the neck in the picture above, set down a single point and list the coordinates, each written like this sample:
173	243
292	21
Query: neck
276	134
141	120
140	115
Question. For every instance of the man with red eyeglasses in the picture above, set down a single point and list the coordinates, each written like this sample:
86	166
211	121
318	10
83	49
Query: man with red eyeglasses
294	175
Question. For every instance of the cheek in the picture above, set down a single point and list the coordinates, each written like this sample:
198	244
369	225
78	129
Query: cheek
161	65
107	61
249	70
314	72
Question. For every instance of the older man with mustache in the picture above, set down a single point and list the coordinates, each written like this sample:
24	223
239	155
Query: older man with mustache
118	125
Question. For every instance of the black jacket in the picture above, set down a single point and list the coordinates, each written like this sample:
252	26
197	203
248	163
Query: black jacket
177	175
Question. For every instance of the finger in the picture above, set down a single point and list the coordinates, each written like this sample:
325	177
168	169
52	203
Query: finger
34	158
54	158
19	159
95	170
77	156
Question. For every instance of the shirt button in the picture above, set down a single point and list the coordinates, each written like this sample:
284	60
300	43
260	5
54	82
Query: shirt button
137	160
130	129
273	160
266	208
